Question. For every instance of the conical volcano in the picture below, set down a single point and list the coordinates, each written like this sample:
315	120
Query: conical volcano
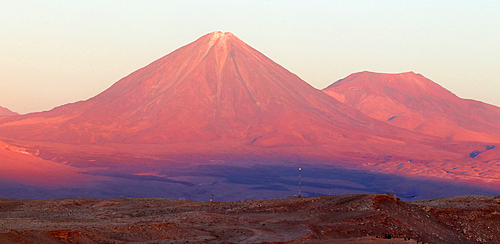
216	87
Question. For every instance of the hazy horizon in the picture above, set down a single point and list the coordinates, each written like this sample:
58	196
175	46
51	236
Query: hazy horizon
57	52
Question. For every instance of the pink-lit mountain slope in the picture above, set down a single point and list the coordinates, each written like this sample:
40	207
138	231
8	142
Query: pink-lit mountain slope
411	101
6	112
216	89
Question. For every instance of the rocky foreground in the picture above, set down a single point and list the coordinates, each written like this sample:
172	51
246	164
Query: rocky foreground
364	218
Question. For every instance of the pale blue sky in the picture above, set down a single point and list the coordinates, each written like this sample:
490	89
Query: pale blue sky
56	52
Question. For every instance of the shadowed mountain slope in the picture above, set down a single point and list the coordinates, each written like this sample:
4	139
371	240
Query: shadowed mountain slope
413	102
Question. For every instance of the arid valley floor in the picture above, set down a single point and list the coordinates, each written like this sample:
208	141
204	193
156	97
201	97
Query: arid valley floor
327	219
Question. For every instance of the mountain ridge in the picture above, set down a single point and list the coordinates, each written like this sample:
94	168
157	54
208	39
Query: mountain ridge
6	112
413	102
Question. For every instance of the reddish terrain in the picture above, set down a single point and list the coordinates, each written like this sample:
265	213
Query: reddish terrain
19	166
329	219
217	103
413	102
6	112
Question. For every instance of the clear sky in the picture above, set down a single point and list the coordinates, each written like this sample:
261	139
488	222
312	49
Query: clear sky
56	52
